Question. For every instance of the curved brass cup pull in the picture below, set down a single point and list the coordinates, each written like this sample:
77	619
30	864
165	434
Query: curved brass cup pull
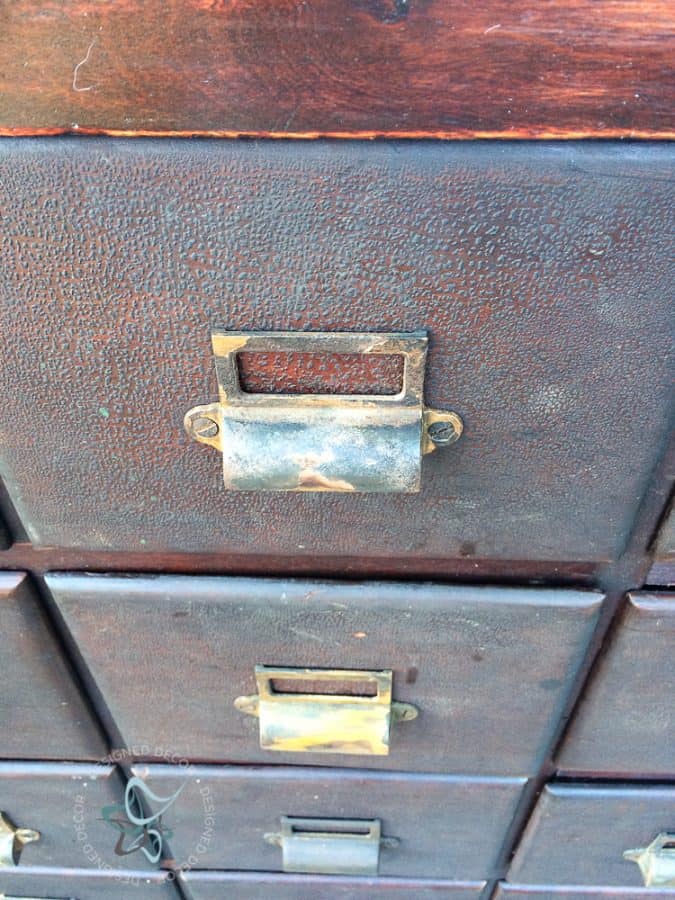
13	840
322	442
325	722
656	861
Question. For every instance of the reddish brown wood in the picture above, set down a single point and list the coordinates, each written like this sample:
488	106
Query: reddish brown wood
363	68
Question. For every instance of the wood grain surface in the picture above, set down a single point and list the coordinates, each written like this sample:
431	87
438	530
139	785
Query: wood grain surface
558	892
526	264
489	669
42	714
625	724
361	68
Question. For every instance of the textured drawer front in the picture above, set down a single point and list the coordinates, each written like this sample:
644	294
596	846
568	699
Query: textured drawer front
554	892
626	721
449	828
263	885
578	834
83	885
42	712
526	264
65	802
487	668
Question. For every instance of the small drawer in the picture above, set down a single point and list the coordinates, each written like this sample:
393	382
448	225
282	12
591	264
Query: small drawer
264	885
583	835
236	638
276	819
42	712
556	892
38	884
61	815
523	263
625	724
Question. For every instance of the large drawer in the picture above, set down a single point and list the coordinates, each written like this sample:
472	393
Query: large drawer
43	715
487	669
625	724
35	883
578	834
70	805
541	273
263	885
443	826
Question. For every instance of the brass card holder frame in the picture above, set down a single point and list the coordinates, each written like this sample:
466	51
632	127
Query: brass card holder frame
330	846
13	840
321	442
325	722
656	861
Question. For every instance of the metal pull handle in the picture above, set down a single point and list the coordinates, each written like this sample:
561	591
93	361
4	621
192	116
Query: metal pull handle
319	442
325	722
13	840
330	846
656	861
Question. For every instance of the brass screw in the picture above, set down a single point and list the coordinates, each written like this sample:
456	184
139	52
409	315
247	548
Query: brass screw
442	433
204	428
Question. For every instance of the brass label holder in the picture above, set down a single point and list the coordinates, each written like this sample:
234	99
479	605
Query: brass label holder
330	846
656	861
13	840
325	722
321	442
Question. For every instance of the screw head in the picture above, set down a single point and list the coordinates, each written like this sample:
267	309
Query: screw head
204	428
442	433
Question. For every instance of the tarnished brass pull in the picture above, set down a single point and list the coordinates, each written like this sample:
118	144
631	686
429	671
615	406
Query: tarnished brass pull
321	442
325	722
656	861
331	846
13	840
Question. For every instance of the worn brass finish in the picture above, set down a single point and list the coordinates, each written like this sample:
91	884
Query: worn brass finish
325	723
331	846
322	442
656	861
13	840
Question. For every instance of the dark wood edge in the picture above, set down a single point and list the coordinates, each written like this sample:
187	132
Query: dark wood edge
38	560
520	134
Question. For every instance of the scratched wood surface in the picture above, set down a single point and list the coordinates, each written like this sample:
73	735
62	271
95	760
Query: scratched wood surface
502	68
29	881
449	828
444	645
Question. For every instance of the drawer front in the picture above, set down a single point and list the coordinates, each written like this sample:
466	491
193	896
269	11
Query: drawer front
526	265
42	712
487	669
626	722
444	827
263	885
665	545
67	803
35	884
554	892
578	834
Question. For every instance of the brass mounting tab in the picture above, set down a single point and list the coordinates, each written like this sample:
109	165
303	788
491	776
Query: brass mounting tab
13	840
656	861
